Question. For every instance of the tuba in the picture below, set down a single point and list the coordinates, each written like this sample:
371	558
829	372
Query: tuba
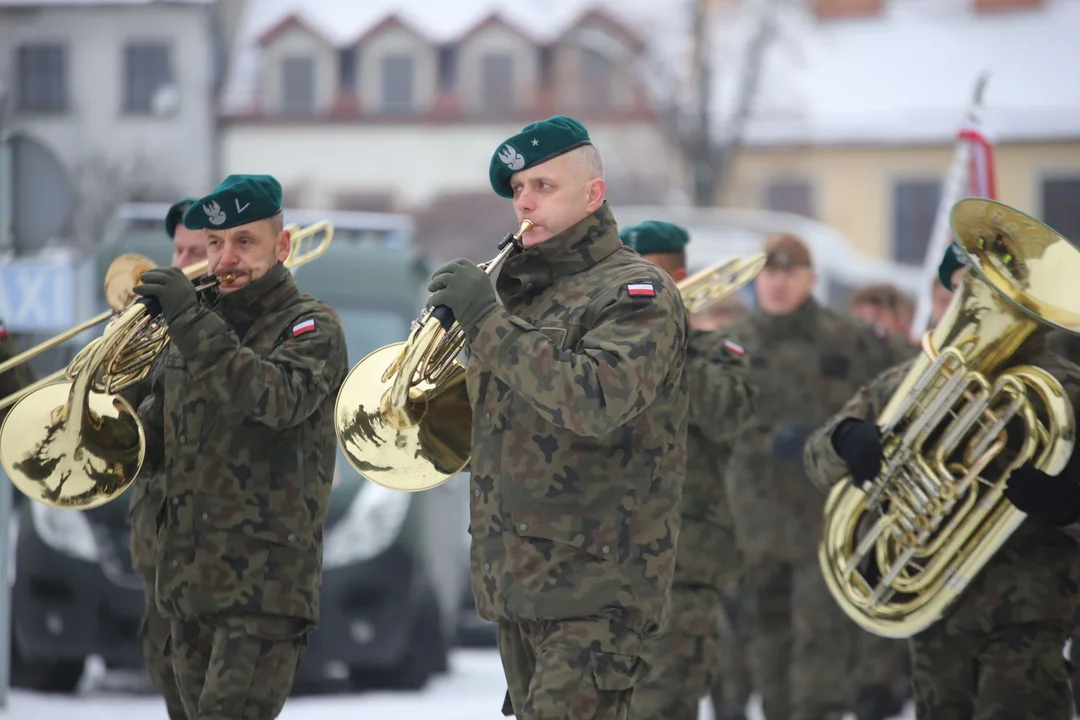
77	443
899	550
713	284
402	417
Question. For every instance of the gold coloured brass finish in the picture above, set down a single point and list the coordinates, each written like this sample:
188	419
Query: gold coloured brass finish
899	550
402	416
713	284
78	444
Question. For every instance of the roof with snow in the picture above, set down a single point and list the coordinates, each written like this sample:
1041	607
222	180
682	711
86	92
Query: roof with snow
904	76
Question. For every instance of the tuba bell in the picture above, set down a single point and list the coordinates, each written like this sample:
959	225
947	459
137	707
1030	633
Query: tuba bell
402	417
899	550
77	443
711	285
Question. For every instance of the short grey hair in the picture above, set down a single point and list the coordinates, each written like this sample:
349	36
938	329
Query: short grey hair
588	157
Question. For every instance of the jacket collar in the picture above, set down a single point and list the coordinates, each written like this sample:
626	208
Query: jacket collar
571	251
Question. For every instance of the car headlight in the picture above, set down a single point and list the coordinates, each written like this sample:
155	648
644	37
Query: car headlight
371	524
65	531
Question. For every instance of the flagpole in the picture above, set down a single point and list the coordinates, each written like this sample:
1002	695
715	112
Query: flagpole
952	191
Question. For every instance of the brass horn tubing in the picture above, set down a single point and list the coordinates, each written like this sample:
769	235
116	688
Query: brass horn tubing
1059	434
53	342
17	396
296	256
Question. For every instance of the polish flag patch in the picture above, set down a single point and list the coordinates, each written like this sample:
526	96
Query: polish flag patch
304	327
734	347
641	290
3	331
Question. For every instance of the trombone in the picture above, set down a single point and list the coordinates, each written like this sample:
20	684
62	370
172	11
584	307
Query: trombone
120	277
78	443
403	417
716	282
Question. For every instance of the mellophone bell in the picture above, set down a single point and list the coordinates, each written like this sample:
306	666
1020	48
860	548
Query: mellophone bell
71	440
403	417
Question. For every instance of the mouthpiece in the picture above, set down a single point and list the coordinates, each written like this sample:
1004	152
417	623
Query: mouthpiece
526	226
228	277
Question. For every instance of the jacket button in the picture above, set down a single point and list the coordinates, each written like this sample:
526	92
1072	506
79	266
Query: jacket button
487	567
183	438
205	516
476	492
292	538
487	416
176	501
175	563
523	526
605	549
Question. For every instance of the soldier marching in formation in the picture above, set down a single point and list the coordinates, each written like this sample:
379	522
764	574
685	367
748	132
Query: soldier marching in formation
686	656
997	653
644	485
240	432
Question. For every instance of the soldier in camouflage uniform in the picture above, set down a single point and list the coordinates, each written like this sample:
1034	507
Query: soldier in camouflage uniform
997	653
18	377
148	492
579	434
804	361
883	304
685	658
240	430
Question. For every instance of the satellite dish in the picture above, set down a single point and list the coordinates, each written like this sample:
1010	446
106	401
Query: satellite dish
43	196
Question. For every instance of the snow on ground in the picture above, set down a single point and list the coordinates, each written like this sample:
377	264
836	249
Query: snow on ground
473	690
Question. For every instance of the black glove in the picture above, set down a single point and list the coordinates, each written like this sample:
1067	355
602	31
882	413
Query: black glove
172	290
858	443
1053	499
466	289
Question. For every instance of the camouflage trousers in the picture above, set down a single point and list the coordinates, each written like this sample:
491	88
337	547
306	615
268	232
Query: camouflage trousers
581	669
882	667
684	659
801	643
731	692
236	667
154	634
1014	672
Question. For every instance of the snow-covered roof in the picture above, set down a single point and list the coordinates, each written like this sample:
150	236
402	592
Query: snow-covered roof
908	75
342	22
905	75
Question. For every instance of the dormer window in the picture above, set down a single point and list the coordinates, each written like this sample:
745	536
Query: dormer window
497	82
297	85
397	84
597	79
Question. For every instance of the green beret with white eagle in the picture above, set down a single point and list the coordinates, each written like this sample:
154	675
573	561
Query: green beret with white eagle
654	237
953	260
535	144
175	215
238	200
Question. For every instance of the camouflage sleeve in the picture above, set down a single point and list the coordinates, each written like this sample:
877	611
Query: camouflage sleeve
151	412
823	465
721	399
18	377
280	390
609	378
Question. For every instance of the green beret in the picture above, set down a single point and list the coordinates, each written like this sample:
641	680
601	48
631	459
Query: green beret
536	143
954	260
238	200
175	215
655	236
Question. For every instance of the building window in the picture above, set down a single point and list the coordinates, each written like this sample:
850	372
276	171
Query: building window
298	86
915	204
42	78
147	69
347	70
497	82
597	77
447	69
1061	206
792	196
397	84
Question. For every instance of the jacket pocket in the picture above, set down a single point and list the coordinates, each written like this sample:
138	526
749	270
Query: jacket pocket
604	538
252	517
616	673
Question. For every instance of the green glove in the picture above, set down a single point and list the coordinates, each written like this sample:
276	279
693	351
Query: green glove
174	292
466	289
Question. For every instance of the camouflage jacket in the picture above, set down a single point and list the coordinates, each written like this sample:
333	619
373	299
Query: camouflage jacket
146	494
804	366
18	377
579	434
244	402
721	402
1034	576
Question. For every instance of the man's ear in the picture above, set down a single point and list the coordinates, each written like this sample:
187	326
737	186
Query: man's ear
284	245
597	193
